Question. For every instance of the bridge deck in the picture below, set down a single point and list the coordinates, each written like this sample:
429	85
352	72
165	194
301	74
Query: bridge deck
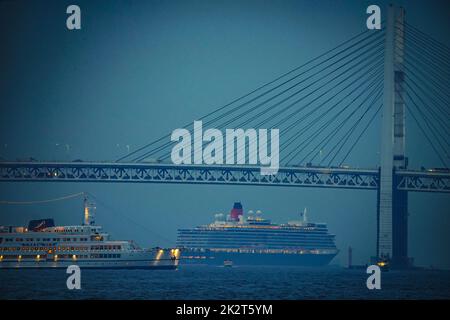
423	181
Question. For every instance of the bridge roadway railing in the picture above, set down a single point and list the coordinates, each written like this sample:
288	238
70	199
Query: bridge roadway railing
423	181
199	174
349	178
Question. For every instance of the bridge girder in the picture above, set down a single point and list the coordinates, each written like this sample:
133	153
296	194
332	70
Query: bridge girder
187	174
340	178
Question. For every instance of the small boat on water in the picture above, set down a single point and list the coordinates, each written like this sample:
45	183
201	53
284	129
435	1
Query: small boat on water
228	263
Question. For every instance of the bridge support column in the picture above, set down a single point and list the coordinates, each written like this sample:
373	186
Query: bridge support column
392	204
400	227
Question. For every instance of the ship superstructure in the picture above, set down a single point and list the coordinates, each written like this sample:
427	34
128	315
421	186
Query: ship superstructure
255	240
43	245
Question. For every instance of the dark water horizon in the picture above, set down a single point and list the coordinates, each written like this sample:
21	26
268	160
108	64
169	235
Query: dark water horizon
236	283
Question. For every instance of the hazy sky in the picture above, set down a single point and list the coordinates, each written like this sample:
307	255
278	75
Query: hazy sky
139	69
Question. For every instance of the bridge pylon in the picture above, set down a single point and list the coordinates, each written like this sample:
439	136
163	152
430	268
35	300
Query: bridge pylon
392	204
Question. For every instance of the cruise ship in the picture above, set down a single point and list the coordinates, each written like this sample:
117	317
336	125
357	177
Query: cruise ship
254	240
43	245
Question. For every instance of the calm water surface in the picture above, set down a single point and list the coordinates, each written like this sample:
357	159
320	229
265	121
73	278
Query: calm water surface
225	283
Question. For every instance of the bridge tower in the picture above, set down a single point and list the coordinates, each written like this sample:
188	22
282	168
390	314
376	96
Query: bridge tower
392	204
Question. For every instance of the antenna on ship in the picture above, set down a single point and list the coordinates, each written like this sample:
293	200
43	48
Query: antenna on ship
89	211
305	219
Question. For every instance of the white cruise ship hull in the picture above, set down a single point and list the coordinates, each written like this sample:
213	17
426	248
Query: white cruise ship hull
120	264
249	259
139	259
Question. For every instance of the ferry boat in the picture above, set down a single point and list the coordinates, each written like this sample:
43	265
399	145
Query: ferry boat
254	240
228	263
43	245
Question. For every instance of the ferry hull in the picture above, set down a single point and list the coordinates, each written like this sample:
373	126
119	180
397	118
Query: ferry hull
120	264
218	258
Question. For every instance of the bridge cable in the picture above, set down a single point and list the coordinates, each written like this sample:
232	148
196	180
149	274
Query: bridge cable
360	135
429	125
327	139
297	149
353	128
334	118
259	88
417	63
70	196
306	116
431	50
422	61
285	99
428	84
246	112
341	142
289	116
437	118
425	133
315	99
429	38
298	121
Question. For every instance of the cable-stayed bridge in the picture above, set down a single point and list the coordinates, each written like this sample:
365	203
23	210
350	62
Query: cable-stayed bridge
324	109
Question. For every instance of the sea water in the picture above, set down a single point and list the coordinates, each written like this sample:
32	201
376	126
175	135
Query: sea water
207	282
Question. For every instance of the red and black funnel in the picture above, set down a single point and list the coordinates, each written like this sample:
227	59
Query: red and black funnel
236	211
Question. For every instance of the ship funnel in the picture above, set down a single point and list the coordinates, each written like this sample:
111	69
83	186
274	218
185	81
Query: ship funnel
89	212
236	211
